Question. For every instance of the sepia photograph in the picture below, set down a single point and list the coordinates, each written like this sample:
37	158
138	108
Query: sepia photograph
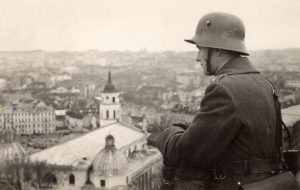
149	95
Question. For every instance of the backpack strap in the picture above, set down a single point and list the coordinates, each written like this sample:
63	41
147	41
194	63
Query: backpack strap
279	123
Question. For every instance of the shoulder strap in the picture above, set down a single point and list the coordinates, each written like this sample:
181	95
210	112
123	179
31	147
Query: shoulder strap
279	124
279	115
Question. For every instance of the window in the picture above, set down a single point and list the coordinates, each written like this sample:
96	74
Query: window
50	178
114	99
107	114
72	179
114	114
102	183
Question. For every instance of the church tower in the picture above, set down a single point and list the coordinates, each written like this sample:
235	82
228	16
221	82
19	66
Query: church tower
110	107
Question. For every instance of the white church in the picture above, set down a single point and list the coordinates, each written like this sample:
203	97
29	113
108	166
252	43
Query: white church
113	156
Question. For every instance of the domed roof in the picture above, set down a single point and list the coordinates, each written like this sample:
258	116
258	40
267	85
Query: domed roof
109	87
11	152
110	161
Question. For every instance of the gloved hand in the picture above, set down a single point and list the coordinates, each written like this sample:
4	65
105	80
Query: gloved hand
181	125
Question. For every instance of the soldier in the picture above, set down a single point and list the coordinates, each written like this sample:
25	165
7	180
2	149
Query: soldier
231	140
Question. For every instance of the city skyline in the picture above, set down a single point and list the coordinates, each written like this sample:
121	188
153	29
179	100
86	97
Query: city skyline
77	25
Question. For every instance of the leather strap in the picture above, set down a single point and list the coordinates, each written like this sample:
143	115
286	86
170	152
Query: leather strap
245	167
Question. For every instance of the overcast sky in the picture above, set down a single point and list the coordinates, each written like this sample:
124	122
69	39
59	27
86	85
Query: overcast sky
157	25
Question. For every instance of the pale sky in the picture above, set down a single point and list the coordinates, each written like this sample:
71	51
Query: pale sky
158	25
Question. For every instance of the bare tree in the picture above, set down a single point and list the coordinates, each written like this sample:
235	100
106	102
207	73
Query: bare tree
25	175
164	122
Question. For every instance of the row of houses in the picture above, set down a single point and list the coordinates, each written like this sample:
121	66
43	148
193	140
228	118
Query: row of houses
35	117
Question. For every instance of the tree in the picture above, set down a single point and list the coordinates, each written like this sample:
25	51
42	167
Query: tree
25	175
158	126
154	181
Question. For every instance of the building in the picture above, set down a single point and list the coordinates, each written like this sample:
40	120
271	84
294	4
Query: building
291	115
60	77
189	78
153	115
292	83
11	155
114	156
64	90
28	118
10	150
74	120
91	164
90	121
109	106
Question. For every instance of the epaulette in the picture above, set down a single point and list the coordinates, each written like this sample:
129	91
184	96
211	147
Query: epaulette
218	78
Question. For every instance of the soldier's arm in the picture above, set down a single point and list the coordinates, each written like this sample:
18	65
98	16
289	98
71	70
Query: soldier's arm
166	143
213	128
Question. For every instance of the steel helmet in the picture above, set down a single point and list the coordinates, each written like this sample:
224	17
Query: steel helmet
221	31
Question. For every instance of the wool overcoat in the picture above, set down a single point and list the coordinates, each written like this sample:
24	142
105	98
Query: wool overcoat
236	121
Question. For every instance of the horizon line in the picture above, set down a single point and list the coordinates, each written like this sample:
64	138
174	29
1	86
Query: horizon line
141	50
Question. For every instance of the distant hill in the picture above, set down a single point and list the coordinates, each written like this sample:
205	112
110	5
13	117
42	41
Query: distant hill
282	58
260	58
292	52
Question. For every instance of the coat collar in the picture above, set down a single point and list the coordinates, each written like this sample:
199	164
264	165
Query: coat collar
239	65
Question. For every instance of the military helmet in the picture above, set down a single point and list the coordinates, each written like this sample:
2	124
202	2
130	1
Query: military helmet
221	31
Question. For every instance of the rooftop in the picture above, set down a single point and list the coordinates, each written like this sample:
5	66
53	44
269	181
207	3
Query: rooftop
109	87
291	115
110	161
81	151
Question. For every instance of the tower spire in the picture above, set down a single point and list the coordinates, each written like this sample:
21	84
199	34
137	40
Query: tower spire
109	87
109	107
109	76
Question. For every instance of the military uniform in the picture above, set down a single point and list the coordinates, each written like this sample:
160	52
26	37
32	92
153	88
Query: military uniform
234	132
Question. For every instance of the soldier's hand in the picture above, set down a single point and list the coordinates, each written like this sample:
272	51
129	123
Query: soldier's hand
167	185
181	125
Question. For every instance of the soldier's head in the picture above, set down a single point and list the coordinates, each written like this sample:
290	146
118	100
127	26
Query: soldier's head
219	37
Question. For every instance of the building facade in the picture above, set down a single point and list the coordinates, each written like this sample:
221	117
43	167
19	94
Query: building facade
97	162
189	78
28	119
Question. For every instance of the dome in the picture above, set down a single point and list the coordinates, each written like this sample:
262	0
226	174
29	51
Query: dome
109	87
11	152
110	161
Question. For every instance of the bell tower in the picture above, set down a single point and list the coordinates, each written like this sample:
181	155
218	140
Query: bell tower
110	107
